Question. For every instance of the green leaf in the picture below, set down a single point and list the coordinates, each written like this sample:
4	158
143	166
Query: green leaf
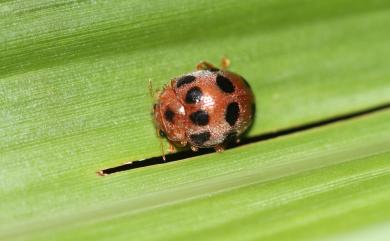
74	99
285	189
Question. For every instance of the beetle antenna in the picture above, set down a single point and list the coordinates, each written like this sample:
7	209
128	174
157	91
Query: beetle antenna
161	144
151	91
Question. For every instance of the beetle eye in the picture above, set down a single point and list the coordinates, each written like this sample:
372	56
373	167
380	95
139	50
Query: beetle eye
161	133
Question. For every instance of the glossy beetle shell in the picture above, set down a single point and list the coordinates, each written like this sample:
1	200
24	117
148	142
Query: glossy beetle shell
205	108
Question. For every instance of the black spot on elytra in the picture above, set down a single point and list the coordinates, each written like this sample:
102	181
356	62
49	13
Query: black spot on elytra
232	113
169	114
225	84
230	138
193	95
185	80
200	118
200	138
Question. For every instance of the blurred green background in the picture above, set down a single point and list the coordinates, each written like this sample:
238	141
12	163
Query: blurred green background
74	99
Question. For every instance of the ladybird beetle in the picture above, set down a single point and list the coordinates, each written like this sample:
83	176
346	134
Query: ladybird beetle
208	108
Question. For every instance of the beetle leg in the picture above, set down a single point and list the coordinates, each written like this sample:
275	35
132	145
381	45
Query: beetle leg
171	148
225	63
194	148
219	148
206	66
